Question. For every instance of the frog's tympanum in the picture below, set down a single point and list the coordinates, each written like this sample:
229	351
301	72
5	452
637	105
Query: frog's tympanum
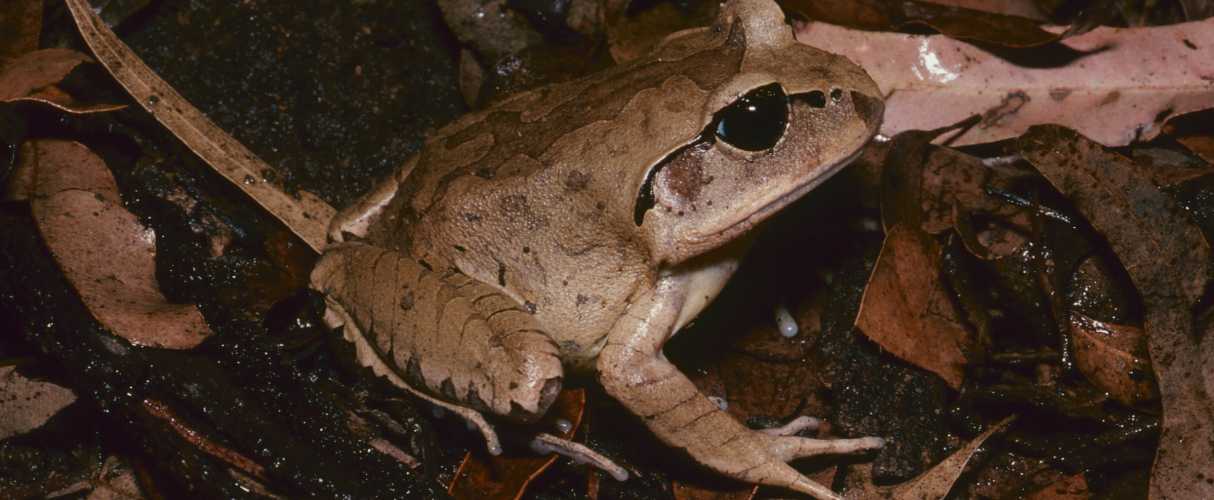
577	227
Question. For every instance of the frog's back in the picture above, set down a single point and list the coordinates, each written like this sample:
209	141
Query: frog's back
535	195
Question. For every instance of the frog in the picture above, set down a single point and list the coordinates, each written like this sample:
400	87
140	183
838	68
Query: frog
575	228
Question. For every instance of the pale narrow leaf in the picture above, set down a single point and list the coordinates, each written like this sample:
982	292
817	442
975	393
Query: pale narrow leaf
1118	85
308	216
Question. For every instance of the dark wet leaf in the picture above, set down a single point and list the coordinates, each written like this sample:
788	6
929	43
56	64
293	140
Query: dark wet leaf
1073	487
1114	358
507	476
632	32
20	27
952	21
1169	262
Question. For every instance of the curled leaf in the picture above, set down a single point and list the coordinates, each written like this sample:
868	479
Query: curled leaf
1169	262
33	78
105	253
1113	358
1115	85
27	404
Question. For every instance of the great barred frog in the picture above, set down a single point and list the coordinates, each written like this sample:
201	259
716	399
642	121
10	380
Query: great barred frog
579	226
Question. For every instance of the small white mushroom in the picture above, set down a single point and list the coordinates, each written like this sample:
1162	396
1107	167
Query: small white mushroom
785	322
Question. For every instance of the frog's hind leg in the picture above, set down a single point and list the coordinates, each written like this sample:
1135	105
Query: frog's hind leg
445	335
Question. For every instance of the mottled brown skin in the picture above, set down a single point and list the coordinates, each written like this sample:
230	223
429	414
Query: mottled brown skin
509	249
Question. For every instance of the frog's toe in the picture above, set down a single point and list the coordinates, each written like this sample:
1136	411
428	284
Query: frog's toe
802	423
547	443
792	447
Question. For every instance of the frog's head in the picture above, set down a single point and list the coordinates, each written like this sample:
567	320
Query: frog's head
780	125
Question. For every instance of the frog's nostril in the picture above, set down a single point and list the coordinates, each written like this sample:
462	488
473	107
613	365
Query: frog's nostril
816	99
836	94
869	109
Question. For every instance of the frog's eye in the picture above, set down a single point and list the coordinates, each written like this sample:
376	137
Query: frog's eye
756	121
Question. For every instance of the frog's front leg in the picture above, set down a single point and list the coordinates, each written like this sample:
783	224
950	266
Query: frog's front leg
633	369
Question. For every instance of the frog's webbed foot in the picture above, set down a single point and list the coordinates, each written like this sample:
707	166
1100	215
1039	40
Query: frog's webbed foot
545	443
681	416
790	446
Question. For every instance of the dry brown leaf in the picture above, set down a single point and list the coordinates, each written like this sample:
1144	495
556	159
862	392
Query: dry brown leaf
1197	9
105	253
306	216
1073	487
1195	131
1122	89
33	78
1113	357
20	27
907	311
937	482
1169	262
506	477
906	308
27	404
931	485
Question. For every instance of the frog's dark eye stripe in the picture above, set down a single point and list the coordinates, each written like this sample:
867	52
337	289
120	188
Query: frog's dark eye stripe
756	121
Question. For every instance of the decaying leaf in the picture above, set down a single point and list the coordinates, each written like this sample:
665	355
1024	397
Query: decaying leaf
306	216
507	476
1115	85
33	78
950	20
1169	262
1113	357
105	253
20	27
906	308
27	404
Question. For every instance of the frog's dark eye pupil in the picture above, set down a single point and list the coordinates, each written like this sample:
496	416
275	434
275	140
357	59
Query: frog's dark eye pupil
756	121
